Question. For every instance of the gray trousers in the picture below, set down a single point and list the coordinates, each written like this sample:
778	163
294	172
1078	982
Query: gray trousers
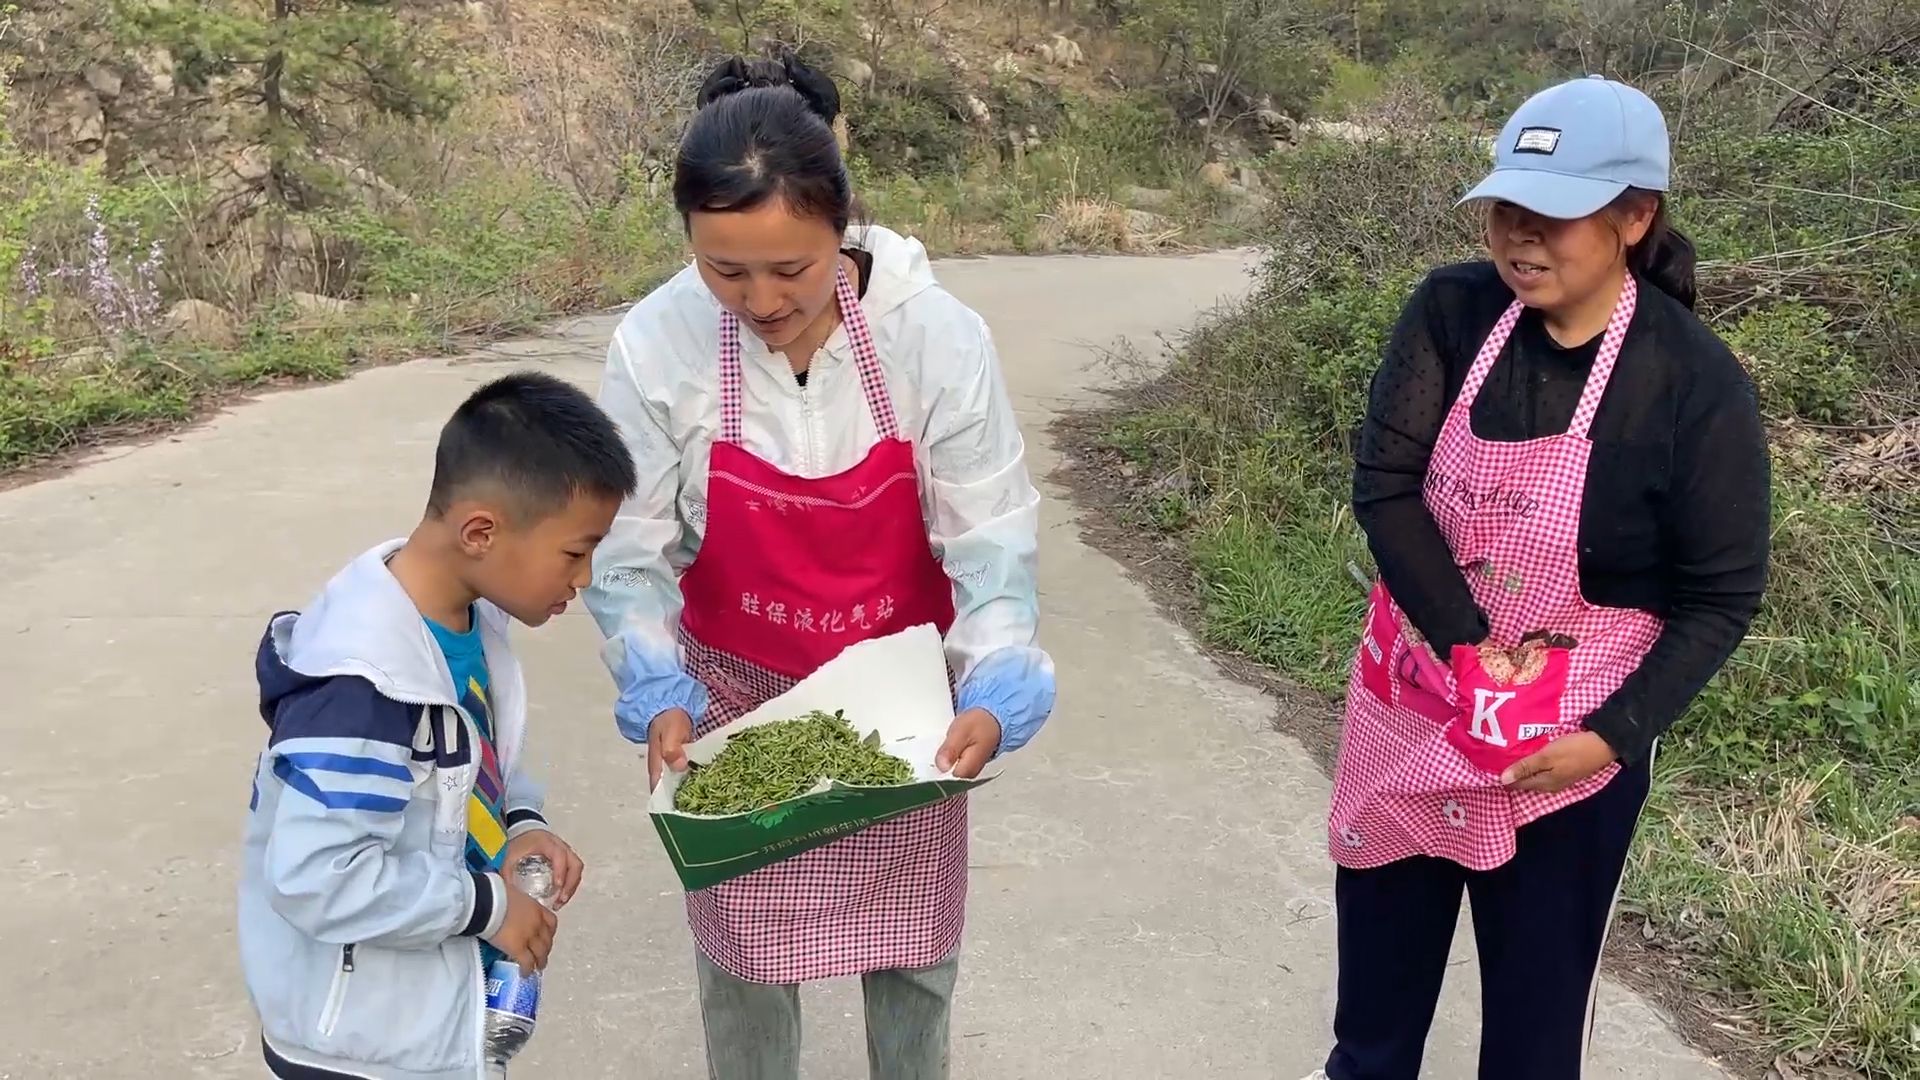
753	1029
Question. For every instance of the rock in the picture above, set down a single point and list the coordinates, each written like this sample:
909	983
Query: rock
300	242
977	111
1247	213
1007	66
201	323
1214	174
855	71
91	360
1344	130
364	178
76	118
843	136
252	164
1147	224
1248	178
105	81
157	65
312	304
1146	198
1045	53
1274	123
1066	52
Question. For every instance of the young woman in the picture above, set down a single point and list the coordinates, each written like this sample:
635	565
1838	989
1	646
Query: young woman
1563	479
799	360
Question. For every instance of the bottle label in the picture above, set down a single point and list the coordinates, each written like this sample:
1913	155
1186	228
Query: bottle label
512	992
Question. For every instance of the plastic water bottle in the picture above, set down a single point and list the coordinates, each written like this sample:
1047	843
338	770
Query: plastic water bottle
513	995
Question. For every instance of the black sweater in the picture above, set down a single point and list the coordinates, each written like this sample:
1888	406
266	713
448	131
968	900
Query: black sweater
1675	516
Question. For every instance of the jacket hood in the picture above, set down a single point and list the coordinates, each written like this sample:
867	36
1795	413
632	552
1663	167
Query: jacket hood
363	624
901	269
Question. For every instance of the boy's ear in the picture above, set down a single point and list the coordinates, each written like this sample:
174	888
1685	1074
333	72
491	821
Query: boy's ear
478	527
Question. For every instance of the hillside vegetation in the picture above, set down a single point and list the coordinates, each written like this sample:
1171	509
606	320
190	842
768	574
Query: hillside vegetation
1774	897
199	196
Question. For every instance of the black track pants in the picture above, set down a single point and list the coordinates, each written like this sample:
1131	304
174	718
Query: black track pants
1540	922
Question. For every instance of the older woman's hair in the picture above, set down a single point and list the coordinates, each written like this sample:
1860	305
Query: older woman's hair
1664	257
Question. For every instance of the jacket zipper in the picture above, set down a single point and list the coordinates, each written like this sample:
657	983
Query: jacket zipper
337	993
479	974
480	1015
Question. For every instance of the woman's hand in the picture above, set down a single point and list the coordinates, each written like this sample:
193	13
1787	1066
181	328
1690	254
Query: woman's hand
1564	763
971	743
666	744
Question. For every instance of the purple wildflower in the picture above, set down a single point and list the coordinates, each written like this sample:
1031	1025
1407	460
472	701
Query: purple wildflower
121	302
30	275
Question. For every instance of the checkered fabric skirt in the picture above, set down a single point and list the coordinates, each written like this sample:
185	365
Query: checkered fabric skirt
890	896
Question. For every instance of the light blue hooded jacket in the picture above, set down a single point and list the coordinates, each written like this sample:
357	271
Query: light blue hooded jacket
360	923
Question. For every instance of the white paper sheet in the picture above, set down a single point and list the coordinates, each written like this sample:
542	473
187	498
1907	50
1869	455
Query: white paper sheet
896	685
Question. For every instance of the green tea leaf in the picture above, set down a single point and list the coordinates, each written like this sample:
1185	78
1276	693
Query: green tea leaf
773	763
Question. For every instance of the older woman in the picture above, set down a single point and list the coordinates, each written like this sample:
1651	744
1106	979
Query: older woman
1564	481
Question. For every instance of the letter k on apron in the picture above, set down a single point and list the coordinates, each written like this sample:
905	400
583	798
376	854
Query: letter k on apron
1421	755
791	571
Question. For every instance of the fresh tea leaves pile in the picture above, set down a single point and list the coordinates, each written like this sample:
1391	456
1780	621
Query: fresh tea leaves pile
1507	667
781	760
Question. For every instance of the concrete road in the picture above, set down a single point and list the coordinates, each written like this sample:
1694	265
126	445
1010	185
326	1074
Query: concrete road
1150	895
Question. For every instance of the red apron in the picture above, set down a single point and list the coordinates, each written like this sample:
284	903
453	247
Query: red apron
790	572
1420	759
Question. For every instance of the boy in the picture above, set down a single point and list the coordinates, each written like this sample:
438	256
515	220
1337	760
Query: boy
391	802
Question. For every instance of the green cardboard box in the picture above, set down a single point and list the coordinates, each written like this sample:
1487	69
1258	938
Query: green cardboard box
897	686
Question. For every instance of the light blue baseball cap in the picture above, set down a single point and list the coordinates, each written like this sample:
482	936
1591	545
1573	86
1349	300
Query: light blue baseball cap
1573	148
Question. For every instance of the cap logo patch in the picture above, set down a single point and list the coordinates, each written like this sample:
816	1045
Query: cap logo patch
1537	140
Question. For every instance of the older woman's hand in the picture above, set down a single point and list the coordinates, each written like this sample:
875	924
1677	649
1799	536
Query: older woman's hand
1564	763
972	741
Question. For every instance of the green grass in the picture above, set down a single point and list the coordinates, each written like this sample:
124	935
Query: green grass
46	408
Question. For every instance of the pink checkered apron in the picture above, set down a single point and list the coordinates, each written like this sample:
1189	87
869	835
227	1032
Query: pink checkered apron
790	572
1407	782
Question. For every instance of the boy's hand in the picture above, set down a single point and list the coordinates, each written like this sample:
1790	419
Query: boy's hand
666	744
526	935
567	867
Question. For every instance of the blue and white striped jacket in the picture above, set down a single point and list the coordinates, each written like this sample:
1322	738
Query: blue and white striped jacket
359	922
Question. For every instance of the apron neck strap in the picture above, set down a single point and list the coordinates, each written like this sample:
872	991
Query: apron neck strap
853	319
1597	378
1603	362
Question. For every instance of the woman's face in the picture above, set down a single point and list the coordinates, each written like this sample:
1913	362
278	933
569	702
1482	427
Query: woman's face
1558	265
773	270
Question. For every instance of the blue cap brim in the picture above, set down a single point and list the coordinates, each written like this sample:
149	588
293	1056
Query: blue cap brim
1554	195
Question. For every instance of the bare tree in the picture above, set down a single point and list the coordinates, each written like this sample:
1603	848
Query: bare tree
608	100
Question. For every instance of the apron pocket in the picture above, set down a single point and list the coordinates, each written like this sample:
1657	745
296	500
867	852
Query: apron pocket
1500	723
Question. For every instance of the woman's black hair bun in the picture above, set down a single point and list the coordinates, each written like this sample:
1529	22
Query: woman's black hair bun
736	74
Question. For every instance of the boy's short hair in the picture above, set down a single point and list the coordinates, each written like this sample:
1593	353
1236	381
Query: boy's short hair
536	441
